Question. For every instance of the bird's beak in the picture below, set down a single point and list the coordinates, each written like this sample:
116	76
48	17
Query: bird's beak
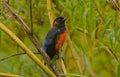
64	19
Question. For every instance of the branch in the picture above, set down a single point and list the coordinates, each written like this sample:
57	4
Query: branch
31	23
13	55
116	5
31	37
114	2
8	75
62	63
26	50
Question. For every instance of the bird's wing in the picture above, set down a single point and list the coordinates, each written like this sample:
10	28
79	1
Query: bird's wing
52	34
51	37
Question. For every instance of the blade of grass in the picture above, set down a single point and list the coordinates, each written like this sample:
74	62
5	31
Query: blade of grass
72	75
118	71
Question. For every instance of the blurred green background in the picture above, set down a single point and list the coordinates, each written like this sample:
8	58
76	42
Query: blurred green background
93	26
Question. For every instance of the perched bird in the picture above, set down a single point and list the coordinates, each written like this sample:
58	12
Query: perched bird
55	37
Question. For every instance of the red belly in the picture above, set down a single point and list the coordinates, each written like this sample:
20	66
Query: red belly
60	41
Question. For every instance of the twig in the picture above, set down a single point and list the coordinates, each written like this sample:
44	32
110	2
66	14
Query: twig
8	75
14	55
31	37
31	23
62	62
116	5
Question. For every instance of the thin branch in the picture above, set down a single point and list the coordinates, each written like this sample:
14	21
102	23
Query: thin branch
62	63
114	2
31	23
14	55
116	5
32	38
8	75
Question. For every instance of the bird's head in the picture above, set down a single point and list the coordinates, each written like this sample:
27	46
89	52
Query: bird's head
59	21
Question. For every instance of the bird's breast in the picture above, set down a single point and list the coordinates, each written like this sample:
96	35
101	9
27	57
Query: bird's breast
60	40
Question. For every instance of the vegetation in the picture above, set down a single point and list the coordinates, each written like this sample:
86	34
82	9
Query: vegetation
92	44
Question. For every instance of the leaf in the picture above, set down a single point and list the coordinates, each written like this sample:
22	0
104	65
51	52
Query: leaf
73	75
118	72
107	24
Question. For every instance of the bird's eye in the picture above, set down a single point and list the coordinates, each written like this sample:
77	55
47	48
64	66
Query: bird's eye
62	18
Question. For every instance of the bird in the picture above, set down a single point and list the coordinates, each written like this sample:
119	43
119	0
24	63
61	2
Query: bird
55	37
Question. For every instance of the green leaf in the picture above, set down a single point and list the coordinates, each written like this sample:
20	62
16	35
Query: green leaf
73	75
118	72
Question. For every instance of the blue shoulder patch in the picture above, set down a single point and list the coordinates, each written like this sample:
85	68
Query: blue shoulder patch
58	30
45	45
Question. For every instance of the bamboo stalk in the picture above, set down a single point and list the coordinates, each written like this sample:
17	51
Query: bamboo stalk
62	63
26	50
8	75
50	14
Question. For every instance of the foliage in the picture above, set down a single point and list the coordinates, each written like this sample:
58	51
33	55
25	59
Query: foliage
118	74
73	75
93	27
